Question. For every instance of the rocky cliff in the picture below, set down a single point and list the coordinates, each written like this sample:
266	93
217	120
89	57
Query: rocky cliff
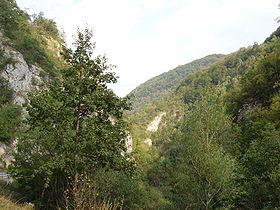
22	79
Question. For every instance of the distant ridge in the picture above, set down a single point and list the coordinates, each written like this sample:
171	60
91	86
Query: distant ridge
157	86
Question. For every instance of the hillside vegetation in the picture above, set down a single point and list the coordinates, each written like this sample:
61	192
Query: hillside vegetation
70	149
204	135
10	201
30	35
218	145
160	85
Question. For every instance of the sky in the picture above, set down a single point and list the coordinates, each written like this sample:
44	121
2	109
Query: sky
145	38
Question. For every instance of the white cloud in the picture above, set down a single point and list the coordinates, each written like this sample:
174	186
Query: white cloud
145	38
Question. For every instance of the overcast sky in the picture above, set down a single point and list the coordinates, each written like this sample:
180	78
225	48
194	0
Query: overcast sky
145	38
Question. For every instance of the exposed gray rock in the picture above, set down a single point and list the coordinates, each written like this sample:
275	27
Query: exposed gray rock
5	155
148	141
128	144
21	77
245	109
153	126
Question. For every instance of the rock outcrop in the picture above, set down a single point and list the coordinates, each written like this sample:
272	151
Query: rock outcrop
153	126
21	76
22	79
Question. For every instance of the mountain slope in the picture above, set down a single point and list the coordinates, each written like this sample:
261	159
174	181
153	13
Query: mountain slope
157	86
224	73
29	58
244	88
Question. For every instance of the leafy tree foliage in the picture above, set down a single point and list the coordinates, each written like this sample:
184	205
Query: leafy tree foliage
9	122
20	31
201	158
119	186
225	72
47	25
205	173
275	33
158	86
74	128
255	103
261	83
242	161
5	60
11	17
9	113
6	93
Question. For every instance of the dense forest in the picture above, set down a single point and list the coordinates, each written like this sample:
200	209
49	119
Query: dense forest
202	136
218	144
158	86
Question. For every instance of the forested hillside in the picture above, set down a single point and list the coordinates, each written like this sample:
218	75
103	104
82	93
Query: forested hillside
202	136
218	145
160	85
29	58
62	134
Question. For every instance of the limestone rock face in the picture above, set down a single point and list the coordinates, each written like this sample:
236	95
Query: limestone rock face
148	141
21	77
153	126
128	144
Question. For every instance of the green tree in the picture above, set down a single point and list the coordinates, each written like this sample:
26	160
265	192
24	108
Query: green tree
9	122
260	156
121	188
11	17
9	113
24	37
262	161
6	92
205	175
46	25
74	128
260	82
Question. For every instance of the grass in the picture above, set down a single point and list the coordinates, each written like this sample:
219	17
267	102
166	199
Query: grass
6	203
8	199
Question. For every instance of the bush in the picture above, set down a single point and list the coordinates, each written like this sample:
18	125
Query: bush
9	121
23	36
6	93
45	25
119	187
